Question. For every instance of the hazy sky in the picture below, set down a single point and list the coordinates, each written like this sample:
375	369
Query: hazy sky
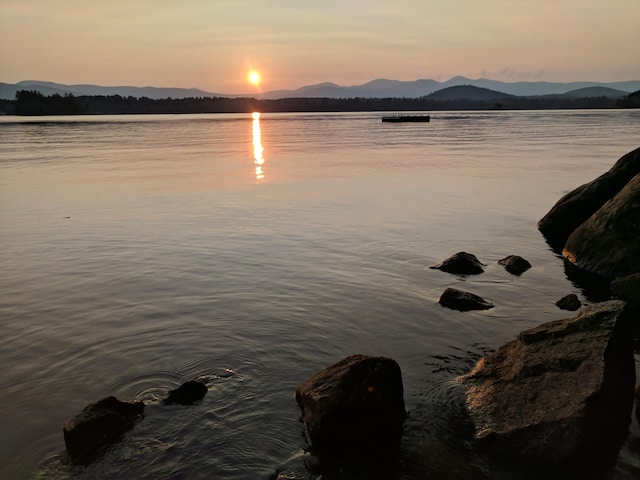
211	44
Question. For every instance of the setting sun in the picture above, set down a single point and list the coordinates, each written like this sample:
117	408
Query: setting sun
254	77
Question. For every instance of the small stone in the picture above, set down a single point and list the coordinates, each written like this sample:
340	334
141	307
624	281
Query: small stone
569	302
463	301
100	424
461	263
187	394
515	264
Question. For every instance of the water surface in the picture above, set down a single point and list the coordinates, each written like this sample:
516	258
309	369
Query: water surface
139	252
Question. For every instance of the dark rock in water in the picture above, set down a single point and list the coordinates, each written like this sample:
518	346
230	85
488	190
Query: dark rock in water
187	393
354	410
100	424
515	264
461	263
608	243
569	302
561	394
627	288
463	301
578	205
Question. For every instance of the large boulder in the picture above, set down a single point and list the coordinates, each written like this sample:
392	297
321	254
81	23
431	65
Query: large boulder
608	243
559	395
578	205
100	424
354	410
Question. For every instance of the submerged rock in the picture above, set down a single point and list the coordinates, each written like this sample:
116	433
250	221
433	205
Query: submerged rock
515	264
561	394
463	301
187	393
569	302
100	424
461	263
577	206
608	243
354	410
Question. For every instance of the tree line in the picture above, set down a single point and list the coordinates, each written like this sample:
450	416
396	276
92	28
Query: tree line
35	103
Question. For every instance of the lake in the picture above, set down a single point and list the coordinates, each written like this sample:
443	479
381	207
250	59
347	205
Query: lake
139	252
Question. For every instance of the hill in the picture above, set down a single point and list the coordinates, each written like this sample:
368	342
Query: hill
593	92
467	92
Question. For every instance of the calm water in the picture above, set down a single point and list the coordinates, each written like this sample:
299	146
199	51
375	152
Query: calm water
138	252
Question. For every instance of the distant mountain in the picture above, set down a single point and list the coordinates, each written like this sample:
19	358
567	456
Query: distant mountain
467	92
383	88
379	88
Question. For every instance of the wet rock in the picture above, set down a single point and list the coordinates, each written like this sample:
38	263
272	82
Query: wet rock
186	394
461	263
100	424
569	302
608	243
354	410
463	301
627	288
560	394
515	264
578	205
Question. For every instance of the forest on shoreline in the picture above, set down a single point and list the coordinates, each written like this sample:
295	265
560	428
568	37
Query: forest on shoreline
35	103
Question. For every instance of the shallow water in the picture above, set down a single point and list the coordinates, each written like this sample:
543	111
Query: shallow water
139	252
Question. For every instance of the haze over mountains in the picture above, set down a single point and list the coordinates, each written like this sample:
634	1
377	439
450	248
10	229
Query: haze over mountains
380	88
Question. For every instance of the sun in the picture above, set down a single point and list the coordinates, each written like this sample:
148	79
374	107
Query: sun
254	77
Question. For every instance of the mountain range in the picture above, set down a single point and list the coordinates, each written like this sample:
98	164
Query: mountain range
380	88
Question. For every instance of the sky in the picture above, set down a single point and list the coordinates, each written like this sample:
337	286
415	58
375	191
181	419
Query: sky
212	44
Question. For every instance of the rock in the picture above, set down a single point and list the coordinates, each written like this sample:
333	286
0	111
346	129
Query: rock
461	263
558	395
627	288
578	205
515	264
354	410
187	393
638	403
569	302
99	424
608	243
463	301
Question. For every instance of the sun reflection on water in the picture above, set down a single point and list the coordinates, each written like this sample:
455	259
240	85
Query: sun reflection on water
258	149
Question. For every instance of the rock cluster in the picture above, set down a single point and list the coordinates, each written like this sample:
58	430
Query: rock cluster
106	421
597	225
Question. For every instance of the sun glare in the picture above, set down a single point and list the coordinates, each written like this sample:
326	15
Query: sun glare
254	77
